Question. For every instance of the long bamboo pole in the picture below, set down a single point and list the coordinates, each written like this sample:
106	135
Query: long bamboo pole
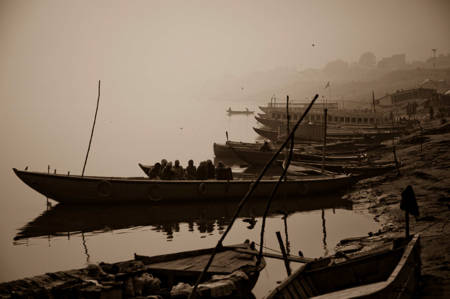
92	131
283	252
325	118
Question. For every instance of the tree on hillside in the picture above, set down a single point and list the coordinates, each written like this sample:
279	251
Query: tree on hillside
367	59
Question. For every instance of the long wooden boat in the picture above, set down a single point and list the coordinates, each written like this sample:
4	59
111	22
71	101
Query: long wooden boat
338	134
73	189
273	135
275	124
363	169
63	220
254	156
227	151
335	116
389	273
232	274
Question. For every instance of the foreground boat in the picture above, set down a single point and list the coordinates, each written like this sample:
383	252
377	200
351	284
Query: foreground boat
74	189
232	274
388	273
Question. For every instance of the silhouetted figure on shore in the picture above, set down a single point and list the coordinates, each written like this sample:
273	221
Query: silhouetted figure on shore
191	171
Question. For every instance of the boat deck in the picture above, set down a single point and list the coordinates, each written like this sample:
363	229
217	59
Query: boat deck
224	262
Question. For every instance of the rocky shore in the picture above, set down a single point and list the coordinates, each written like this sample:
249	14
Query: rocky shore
425	165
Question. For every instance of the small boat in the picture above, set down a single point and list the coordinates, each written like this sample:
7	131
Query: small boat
388	273
77	189
246	111
232	274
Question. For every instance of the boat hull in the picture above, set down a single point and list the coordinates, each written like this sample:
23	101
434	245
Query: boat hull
392	273
104	190
254	156
234	267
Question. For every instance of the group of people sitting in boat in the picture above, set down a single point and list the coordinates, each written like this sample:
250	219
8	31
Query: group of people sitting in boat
205	170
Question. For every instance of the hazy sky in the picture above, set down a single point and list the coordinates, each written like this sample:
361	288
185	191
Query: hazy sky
185	42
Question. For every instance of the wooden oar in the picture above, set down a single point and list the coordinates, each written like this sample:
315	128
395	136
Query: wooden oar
291	258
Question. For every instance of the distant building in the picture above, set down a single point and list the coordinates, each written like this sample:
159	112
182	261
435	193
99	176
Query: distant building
394	62
413	94
384	101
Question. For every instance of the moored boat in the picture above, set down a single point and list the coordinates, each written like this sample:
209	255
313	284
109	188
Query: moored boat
388	273
232	274
363	169
274	136
253	156
73	189
276	124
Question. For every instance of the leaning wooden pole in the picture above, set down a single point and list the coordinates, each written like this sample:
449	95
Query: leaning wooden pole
283	252
325	117
287	127
287	115
92	131
245	199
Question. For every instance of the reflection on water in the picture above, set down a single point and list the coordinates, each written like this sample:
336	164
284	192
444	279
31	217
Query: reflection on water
64	237
206	217
91	234
324	230
88	257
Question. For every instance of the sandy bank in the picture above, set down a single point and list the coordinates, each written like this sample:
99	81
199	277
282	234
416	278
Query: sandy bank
425	160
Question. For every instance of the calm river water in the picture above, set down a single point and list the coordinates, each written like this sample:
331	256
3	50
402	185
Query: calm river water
34	240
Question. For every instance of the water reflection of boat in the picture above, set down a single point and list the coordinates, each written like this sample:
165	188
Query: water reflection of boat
204	216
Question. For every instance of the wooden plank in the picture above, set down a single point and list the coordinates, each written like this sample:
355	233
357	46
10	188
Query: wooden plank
299	289
311	284
286	294
309	292
293	291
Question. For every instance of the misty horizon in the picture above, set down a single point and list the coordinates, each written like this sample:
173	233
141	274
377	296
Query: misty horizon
186	45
